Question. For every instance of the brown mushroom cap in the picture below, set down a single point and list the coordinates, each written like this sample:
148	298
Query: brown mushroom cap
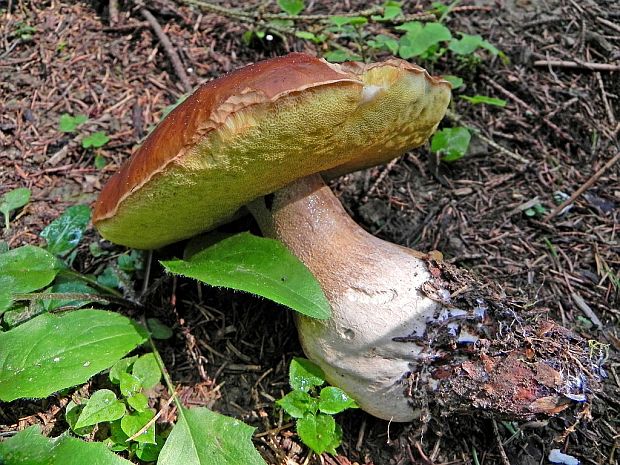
257	129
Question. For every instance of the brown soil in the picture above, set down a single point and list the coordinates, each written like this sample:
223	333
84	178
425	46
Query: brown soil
230	351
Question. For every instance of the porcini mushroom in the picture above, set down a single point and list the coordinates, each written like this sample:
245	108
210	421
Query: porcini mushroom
398	339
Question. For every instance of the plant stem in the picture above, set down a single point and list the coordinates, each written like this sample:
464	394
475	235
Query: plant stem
165	374
92	281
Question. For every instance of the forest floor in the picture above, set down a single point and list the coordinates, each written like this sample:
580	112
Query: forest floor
231	352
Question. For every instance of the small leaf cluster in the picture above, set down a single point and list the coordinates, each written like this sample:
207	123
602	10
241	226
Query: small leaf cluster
70	124
13	200
128	419
313	408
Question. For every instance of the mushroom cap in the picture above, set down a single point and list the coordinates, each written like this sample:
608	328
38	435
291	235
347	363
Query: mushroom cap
259	128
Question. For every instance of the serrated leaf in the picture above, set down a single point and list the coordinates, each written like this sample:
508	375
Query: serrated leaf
157	329
65	232
292	7
203	437
122	366
451	143
319	432
68	123
102	406
134	422
304	375
147	371
12	200
475	99
298	404
334	400
53	352
421	37
30	447
138	402
455	81
258	265
95	140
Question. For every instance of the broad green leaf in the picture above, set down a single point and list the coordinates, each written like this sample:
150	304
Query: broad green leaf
65	232
157	329
306	35
30	447
102	406
382	41
334	400
298	404
304	375
149	452
53	352
338	56
118	438
391	10
468	44
475	99
147	371
100	161
72	414
68	123
122	366
129	385
138	402
95	140
421	37
203	437
25	269
454	80
319	432
134	422
12	200
258	265
451	143
292	7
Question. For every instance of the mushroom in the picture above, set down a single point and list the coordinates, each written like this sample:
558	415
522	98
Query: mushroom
402	336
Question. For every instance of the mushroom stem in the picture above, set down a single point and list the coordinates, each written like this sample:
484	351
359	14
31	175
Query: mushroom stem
399	340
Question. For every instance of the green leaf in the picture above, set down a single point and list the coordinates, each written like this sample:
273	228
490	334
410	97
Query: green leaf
304	375
475	99
258	265
451	143
468	44
454	80
334	400
100	161
129	384
421	37
292	7
102	406
149	452
12	200
30	447
51	352
319	433
298	403
134	422
203	437
157	329
122	366
382	41
68	123
65	232
339	56
138	402
25	269
72	413
147	371
95	140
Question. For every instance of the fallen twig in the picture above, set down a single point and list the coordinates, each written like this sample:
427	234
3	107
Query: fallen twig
169	49
578	65
586	309
586	185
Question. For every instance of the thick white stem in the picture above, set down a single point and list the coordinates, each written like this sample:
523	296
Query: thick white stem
374	290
